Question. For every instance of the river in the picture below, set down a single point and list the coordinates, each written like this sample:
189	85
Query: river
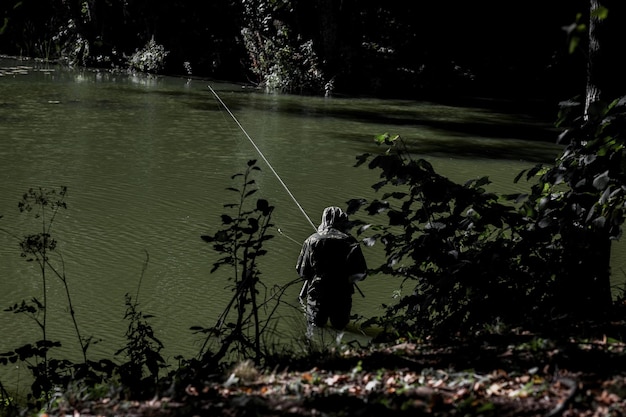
147	160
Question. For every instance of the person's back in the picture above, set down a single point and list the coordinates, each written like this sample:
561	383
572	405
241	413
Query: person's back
330	261
329	253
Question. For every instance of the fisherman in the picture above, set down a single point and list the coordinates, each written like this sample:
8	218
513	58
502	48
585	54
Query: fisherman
330	262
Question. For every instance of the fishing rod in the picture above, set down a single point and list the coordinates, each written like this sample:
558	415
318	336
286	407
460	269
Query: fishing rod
263	157
305	285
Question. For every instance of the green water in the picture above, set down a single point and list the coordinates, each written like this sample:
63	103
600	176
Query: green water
147	160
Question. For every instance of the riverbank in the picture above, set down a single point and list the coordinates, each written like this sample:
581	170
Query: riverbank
498	375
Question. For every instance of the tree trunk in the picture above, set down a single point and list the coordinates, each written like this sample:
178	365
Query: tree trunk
588	253
586	289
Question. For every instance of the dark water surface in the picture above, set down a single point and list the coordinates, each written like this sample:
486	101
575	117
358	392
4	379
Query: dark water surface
147	160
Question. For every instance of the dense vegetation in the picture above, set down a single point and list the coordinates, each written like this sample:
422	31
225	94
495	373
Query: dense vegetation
358	47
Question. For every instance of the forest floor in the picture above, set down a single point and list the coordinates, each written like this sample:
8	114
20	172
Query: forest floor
518	374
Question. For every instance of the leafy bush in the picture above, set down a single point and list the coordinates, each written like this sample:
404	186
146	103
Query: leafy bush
139	375
280	60
578	203
150	58
456	244
247	323
474	257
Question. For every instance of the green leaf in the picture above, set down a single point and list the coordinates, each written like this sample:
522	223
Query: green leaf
600	13
573	44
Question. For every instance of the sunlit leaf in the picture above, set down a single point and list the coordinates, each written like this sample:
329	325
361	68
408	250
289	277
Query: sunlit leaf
544	222
589	159
385	139
573	44
369	241
377	207
600	12
605	195
435	226
600	182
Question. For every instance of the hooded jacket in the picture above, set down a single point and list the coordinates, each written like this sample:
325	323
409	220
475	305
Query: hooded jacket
331	254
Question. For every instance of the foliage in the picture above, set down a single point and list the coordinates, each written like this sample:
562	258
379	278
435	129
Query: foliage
455	244
474	258
280	60
248	319
38	247
578	203
241	332
314	46
150	58
139	375
593	168
47	30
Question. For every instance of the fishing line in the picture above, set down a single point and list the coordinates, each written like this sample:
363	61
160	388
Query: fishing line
277	177
263	157
288	237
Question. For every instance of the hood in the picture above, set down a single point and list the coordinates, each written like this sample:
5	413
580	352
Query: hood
332	217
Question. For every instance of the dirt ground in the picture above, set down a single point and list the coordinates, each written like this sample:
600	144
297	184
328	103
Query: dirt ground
502	376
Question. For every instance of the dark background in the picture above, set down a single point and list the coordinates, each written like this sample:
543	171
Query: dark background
417	49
